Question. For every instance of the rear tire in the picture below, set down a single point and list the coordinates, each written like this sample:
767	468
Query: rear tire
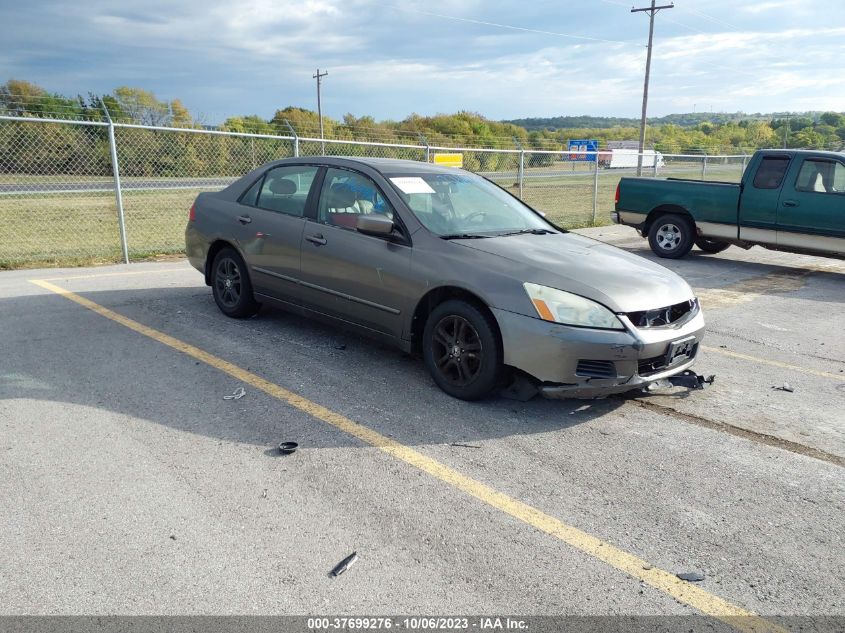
671	236
711	246
231	286
462	351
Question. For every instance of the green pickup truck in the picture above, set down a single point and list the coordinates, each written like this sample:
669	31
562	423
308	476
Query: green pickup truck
788	200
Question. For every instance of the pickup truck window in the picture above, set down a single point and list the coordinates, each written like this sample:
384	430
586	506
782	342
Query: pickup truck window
771	172
821	176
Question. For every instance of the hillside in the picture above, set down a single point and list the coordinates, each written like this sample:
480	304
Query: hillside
687	119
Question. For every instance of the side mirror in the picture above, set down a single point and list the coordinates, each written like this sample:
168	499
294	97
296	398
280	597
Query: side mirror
374	224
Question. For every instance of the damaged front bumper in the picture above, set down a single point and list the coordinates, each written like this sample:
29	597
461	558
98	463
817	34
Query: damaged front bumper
572	362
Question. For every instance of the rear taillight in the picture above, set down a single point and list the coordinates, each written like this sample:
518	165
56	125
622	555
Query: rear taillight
192	214
616	199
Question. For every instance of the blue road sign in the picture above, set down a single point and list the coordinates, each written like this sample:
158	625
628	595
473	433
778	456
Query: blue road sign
578	149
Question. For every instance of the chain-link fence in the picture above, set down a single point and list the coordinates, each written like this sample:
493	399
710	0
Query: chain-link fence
79	192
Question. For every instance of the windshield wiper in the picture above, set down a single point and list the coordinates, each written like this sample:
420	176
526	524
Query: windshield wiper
526	232
462	236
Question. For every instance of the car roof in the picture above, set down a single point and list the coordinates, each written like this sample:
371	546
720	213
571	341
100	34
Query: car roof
382	165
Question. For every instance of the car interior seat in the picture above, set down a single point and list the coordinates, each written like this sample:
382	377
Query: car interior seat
283	198
340	206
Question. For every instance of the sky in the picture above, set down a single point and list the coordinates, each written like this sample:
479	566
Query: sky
389	59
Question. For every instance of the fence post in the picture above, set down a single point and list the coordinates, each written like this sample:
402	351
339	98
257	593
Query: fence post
295	139
704	168
654	175
520	174
595	188
117	191
252	150
424	141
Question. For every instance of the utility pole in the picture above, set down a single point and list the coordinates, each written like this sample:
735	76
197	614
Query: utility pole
786	131
319	77
652	11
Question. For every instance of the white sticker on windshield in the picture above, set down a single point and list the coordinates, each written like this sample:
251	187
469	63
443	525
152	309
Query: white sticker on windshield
412	184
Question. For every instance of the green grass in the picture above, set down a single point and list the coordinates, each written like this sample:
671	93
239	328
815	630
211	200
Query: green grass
77	229
82	228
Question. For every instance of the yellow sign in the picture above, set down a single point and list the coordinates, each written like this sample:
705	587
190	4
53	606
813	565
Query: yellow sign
449	160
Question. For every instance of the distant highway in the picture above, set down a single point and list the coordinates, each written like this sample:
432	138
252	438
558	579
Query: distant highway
93	186
155	184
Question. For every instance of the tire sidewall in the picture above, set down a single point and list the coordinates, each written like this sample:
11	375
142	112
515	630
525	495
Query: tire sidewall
246	305
685	226
711	246
491	363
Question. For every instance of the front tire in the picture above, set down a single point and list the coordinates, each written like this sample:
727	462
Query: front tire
711	246
462	351
231	286
671	236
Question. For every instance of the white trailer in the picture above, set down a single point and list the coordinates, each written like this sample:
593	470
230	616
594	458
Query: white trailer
621	158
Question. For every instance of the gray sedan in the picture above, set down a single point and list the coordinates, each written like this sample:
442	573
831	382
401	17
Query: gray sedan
445	264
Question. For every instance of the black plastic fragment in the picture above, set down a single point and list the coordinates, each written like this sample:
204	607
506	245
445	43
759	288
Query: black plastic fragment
286	448
691	576
343	565
690	380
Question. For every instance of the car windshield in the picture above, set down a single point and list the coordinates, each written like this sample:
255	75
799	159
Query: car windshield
465	205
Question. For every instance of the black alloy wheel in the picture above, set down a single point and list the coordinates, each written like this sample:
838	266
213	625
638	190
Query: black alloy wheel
231	285
462	350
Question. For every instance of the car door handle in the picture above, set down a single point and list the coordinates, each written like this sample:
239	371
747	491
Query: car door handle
244	219
317	240
790	203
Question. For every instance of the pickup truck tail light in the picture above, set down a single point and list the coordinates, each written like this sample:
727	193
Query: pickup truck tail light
616	199
192	214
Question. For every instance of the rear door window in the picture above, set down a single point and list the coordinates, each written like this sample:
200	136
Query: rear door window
771	171
285	189
821	176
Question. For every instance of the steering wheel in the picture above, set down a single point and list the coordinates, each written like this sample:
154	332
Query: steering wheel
476	214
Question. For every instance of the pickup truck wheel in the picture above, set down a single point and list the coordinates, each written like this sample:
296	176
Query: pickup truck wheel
671	236
711	246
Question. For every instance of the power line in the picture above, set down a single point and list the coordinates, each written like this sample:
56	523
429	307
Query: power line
511	27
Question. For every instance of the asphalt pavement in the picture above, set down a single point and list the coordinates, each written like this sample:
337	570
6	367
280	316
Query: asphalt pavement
131	487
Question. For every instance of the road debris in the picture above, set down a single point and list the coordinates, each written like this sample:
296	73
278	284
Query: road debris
264	494
688	379
239	393
172	537
343	565
785	387
286	448
465	445
691	576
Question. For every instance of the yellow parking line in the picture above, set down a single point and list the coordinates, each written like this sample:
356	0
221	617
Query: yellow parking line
632	565
154	271
773	363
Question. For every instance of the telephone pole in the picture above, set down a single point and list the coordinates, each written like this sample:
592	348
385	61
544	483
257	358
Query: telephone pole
319	77
652	11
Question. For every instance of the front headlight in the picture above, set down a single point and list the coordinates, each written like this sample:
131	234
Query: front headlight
569	309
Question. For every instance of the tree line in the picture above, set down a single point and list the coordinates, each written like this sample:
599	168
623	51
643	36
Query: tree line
57	148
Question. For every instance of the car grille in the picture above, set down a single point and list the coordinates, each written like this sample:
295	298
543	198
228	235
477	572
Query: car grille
596	368
663	316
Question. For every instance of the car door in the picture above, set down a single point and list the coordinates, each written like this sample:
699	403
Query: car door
346	274
812	210
273	217
759	200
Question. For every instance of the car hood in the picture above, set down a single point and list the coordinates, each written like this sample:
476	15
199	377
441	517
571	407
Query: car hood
620	280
